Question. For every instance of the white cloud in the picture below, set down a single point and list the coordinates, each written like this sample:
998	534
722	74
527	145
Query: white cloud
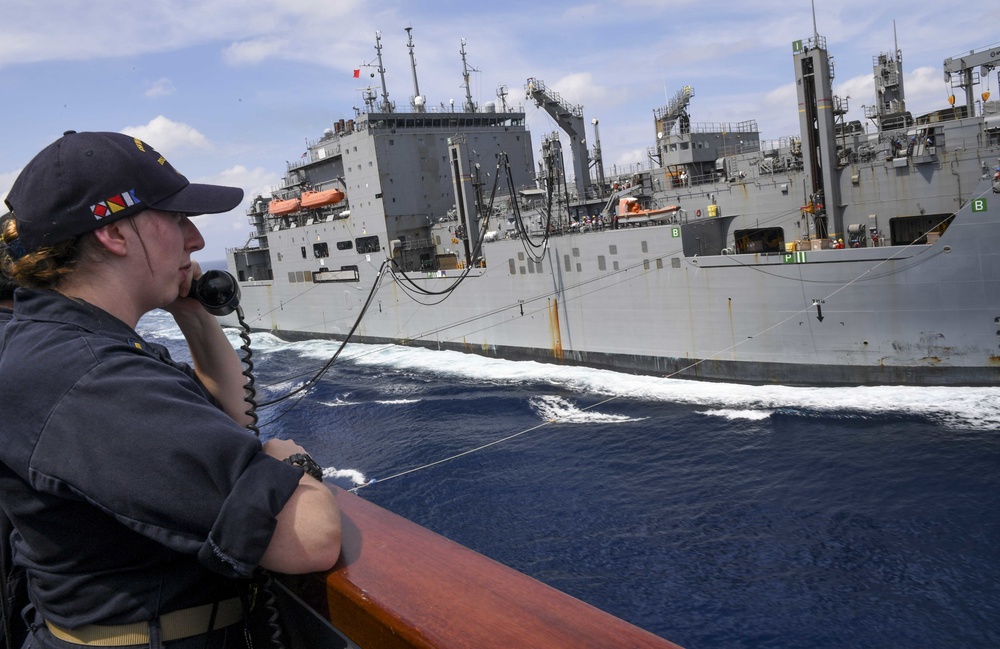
62	30
162	87
230	230
926	90
167	136
579	88
629	159
778	117
253	51
253	181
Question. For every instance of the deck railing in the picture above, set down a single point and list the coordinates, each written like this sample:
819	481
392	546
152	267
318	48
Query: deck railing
398	585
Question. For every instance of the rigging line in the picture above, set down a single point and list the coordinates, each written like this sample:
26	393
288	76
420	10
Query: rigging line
416	289
413	289
283	412
456	456
282	304
519	225
347	337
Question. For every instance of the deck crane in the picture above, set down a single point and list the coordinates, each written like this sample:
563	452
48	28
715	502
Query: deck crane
570	120
964	67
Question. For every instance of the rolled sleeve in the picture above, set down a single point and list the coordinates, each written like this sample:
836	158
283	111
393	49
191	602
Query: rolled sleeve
248	517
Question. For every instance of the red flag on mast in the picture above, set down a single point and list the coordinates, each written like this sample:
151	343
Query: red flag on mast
357	73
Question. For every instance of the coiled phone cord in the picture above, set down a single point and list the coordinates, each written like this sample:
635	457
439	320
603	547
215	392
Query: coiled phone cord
250	392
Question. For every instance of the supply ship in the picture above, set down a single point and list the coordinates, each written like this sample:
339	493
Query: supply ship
851	254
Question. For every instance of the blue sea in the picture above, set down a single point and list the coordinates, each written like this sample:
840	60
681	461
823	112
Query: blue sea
714	515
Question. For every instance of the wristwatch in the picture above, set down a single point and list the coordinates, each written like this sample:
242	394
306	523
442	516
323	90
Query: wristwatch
307	464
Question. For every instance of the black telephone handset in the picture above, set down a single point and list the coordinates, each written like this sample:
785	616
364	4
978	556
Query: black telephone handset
217	291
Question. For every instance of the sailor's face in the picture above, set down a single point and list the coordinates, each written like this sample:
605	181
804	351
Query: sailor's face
168	239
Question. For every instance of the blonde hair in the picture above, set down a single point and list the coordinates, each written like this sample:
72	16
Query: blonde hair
42	268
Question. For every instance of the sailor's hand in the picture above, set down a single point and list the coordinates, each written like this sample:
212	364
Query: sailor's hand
282	448
185	303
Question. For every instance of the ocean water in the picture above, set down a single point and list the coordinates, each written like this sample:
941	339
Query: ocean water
713	515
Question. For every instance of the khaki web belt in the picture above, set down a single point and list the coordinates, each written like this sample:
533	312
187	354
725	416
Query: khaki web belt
173	626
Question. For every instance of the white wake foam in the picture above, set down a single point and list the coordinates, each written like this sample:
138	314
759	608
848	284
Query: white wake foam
729	413
562	410
353	475
977	408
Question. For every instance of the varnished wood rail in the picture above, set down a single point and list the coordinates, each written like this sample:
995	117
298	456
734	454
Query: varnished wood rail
400	586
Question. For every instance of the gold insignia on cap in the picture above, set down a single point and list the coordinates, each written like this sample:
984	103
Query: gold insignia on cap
139	144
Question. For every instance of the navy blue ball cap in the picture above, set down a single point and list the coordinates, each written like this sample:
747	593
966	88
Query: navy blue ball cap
84	181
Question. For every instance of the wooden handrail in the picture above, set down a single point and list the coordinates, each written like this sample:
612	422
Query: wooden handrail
398	585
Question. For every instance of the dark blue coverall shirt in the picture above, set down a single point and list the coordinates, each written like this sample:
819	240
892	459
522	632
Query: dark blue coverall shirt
132	492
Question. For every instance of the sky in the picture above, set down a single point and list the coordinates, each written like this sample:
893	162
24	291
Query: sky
230	91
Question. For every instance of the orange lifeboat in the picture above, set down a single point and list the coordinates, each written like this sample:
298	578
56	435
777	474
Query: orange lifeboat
314	199
630	211
280	207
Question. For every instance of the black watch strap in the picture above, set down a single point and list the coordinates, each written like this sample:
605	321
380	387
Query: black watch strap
307	464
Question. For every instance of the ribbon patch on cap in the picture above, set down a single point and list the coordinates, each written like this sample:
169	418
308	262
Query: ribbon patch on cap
114	204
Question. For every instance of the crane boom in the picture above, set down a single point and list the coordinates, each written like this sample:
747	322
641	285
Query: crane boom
570	120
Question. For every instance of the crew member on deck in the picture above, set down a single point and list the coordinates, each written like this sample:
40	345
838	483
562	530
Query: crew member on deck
141	504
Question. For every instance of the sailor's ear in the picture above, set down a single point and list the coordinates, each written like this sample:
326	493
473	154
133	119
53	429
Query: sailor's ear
113	237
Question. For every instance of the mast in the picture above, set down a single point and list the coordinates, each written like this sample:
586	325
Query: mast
502	96
469	106
815	28
386	105
418	101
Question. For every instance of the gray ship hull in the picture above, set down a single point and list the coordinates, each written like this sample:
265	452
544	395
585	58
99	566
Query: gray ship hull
920	315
